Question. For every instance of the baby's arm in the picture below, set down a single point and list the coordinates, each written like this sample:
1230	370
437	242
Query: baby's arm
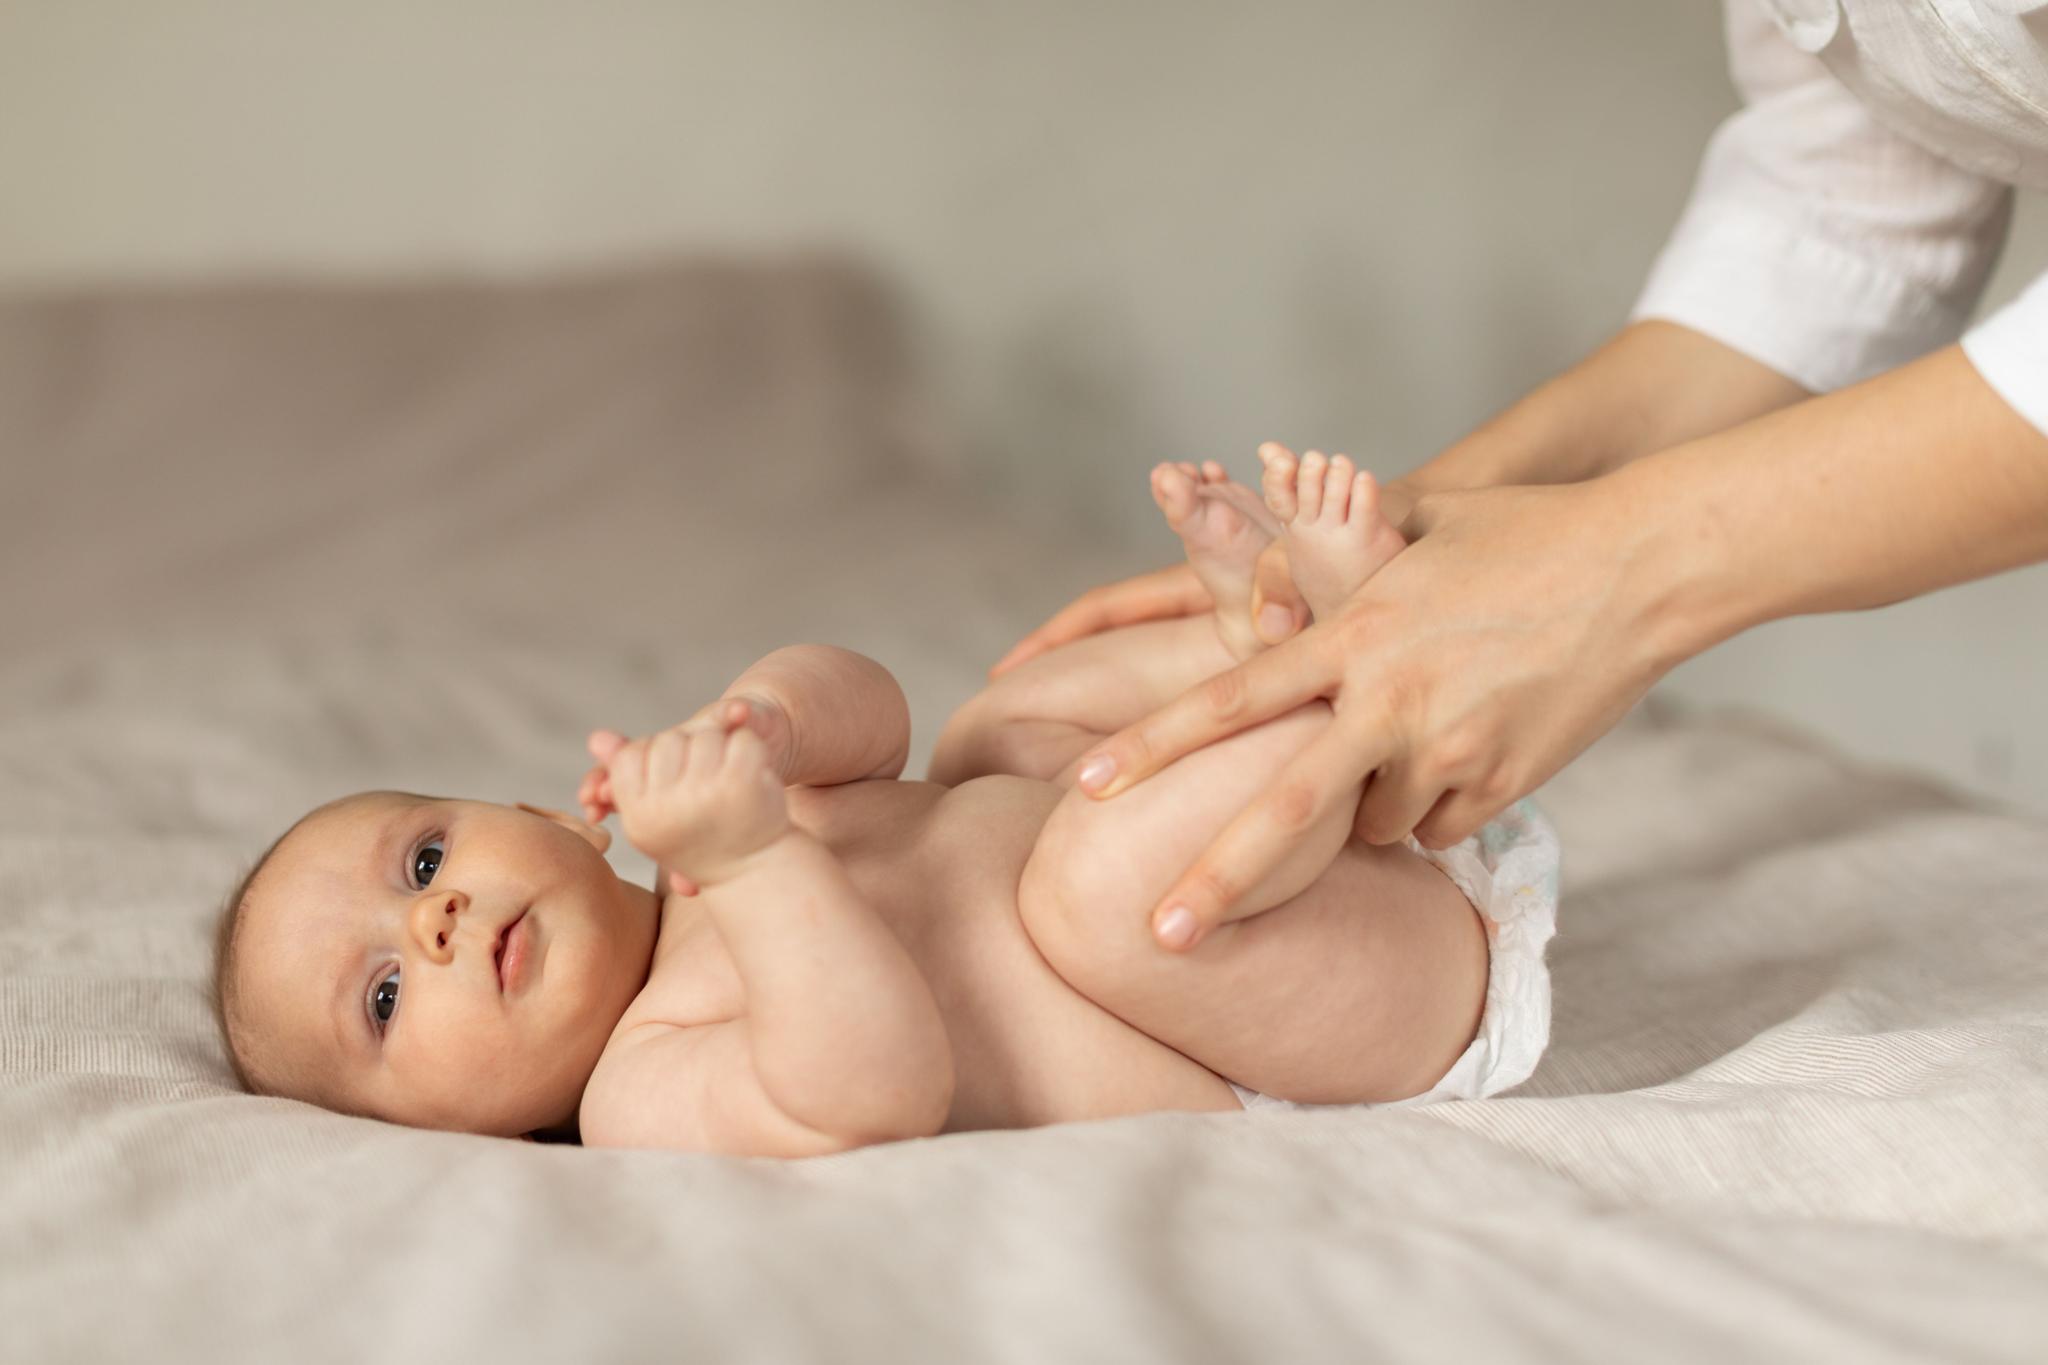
840	1042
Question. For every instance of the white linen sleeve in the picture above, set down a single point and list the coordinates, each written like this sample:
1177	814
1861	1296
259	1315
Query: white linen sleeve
2010	349
1818	241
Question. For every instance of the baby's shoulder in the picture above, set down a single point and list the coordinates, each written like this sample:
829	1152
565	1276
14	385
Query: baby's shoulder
691	979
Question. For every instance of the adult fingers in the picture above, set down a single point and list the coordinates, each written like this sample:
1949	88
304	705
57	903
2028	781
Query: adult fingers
1278	610
1267	685
1263	833
1396	796
1168	592
1459	815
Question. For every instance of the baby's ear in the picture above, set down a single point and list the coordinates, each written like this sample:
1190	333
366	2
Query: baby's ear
599	837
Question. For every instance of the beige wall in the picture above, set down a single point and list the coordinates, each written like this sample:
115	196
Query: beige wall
1122	231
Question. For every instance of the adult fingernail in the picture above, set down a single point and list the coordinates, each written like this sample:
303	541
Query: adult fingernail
1176	926
1095	773
1276	623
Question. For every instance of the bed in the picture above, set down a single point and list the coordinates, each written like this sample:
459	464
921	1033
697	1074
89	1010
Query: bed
263	543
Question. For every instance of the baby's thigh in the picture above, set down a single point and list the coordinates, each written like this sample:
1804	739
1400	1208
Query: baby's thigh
1039	718
1361	980
1123	854
1363	987
1105	681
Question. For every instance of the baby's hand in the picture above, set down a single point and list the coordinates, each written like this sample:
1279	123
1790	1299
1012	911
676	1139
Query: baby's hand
698	798
762	716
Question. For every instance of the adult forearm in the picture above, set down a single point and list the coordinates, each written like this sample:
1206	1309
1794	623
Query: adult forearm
847	1038
1652	386
1916	480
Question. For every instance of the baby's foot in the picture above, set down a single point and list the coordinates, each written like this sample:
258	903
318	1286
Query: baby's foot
1330	511
1224	526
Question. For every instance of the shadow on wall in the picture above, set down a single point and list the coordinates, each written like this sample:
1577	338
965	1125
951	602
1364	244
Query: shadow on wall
1073	378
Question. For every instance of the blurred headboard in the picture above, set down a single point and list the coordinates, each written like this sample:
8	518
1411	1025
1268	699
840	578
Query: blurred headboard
198	443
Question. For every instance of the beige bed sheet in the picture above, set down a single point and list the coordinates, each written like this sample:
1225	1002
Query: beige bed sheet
262	545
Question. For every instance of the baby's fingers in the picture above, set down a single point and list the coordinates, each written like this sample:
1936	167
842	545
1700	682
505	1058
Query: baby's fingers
707	747
627	769
594	795
666	756
746	755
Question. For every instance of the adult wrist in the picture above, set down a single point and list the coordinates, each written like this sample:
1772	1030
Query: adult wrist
1677	584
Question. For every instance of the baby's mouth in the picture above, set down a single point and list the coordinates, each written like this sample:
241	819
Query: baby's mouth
498	960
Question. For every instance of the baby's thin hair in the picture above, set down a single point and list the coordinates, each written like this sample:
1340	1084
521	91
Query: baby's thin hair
220	990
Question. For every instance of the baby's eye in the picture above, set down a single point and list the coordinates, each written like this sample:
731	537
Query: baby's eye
384	999
426	861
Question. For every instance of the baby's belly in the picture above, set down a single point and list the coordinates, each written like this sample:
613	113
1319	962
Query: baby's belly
1027	1047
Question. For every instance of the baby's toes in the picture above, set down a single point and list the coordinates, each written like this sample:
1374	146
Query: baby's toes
1365	500
1213	472
1174	491
1308	485
1278	483
1337	489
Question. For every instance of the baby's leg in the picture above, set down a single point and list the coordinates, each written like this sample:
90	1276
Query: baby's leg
1038	719
1363	982
1035	720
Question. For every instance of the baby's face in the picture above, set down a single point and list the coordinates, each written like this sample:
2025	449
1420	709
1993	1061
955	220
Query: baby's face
369	966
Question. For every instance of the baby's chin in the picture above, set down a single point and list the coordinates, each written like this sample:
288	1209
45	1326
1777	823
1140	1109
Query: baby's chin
496	1115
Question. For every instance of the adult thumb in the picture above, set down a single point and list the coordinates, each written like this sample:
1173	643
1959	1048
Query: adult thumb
1277	607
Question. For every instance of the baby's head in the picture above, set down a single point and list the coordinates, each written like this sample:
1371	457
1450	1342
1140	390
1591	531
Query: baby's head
358	966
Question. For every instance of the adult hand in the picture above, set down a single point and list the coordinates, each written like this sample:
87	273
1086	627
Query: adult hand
1277	609
1511	633
1173	591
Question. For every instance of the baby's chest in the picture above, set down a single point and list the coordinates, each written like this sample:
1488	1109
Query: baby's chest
942	876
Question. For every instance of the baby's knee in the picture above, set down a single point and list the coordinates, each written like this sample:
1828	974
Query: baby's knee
1080	900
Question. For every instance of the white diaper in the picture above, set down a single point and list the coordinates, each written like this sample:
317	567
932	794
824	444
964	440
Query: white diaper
1509	871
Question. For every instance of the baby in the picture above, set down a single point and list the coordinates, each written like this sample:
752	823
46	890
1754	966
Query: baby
832	956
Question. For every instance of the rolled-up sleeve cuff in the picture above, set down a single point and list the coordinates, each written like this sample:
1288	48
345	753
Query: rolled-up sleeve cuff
2010	349
1817	313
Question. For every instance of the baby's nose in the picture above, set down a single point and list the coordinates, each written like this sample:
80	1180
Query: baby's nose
434	916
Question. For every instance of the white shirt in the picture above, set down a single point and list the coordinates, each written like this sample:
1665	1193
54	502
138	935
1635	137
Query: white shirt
1845	219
